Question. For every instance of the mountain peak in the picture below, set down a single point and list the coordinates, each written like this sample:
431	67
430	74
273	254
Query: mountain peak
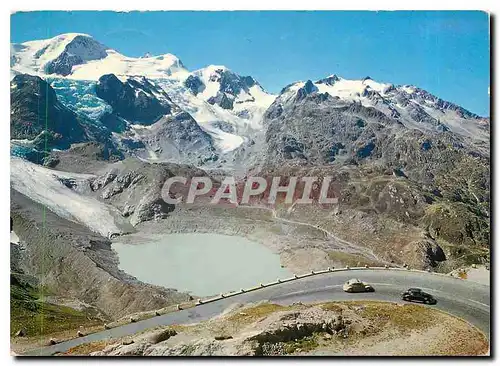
217	68
72	35
56	55
80	56
330	80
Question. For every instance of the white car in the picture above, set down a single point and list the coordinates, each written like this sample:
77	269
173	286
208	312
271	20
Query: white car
356	285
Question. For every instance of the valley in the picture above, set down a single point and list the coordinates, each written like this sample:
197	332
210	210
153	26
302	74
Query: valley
96	134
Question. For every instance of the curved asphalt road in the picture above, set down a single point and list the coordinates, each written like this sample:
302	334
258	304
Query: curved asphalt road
467	300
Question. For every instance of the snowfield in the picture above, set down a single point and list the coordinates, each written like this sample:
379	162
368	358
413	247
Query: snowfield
116	63
45	186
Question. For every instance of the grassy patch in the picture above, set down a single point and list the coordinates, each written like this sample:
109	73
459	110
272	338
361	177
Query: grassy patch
457	223
404	317
38	318
250	315
177	327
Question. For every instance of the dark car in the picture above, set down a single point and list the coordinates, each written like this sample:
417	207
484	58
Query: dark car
416	294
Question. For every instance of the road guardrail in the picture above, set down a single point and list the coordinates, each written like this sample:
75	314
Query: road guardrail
314	273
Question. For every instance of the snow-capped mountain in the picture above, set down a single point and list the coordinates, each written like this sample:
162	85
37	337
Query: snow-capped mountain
412	106
226	106
154	108
79	56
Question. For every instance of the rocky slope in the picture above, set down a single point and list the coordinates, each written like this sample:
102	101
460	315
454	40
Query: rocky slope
368	328
76	263
415	108
135	188
40	122
389	171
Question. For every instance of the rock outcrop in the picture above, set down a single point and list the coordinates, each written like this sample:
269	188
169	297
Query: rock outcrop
137	100
37	115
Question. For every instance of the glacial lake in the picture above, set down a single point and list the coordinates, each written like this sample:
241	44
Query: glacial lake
202	264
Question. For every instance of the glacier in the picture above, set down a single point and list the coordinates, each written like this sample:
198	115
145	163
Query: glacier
47	187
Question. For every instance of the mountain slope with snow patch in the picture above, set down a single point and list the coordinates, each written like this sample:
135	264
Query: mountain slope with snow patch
412	106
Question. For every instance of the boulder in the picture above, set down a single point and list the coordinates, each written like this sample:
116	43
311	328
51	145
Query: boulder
161	336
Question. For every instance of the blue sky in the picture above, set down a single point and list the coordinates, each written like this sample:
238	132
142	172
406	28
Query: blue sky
446	53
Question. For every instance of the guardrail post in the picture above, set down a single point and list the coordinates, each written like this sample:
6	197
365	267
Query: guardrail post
179	307
278	280
312	272
386	266
261	285
157	313
106	326
295	276
242	290
199	302
347	267
366	265
222	295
